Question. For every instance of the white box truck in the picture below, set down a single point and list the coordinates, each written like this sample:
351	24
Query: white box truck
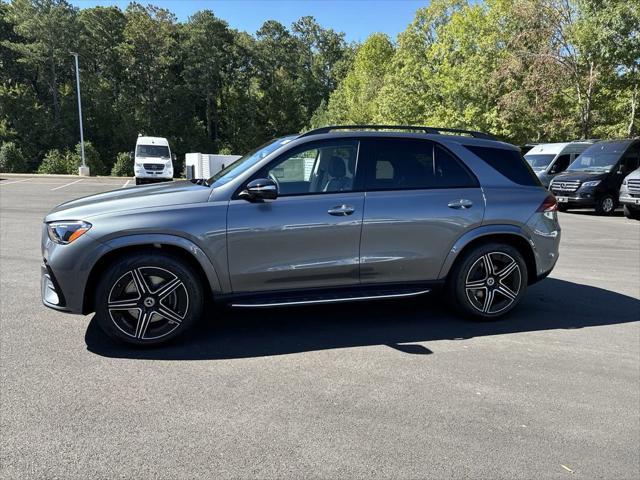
205	165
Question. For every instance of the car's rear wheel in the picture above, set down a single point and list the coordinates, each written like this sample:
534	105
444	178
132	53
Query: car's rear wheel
148	298
606	204
632	213
488	281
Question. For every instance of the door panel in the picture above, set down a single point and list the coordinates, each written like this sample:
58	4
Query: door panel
294	242
420	199
406	235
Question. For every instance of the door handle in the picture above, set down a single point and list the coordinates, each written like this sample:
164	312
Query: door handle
461	204
341	210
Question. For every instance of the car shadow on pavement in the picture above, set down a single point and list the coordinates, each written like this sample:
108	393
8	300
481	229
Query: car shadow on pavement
242	333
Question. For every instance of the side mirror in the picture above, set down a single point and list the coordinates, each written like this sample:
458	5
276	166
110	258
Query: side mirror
553	169
260	189
621	168
174	157
132	154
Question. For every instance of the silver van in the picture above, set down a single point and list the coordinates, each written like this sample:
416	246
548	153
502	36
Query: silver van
630	195
550	159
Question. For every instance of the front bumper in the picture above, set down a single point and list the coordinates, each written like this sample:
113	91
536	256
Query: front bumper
155	173
65	270
630	199
51	293
579	199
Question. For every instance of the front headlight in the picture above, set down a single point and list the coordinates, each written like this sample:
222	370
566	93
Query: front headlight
593	183
64	233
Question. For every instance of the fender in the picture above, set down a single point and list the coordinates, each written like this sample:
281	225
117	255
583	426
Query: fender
173	240
479	232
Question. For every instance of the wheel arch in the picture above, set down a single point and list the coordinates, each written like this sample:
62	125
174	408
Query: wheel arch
508	234
177	246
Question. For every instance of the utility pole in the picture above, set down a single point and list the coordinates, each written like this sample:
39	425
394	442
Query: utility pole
83	171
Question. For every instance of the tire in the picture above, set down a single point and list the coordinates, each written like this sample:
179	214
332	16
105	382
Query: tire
469	282
148	298
631	213
606	204
562	208
138	181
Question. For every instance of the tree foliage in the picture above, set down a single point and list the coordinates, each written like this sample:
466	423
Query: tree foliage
11	158
525	70
200	83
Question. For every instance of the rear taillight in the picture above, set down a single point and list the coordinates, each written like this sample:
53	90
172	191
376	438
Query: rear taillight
550	204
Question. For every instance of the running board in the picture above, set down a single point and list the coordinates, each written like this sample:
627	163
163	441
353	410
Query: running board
320	300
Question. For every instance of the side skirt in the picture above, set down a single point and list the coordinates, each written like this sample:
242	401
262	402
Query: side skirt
327	296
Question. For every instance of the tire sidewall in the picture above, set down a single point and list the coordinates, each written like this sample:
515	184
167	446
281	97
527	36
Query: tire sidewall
152	259
457	281
600	206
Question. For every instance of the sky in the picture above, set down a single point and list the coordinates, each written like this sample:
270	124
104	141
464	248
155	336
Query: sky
356	18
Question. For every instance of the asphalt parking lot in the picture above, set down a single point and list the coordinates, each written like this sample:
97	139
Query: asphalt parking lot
399	389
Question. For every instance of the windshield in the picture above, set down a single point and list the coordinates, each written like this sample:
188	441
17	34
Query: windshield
598	158
244	163
158	151
539	161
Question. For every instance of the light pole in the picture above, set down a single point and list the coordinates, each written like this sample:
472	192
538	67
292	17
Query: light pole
83	171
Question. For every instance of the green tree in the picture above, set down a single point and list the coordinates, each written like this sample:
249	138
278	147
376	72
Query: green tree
207	55
48	31
356	98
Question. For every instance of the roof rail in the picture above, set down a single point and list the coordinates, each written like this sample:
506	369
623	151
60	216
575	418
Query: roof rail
430	130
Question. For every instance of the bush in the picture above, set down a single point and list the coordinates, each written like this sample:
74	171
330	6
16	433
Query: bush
123	166
11	159
92	159
55	162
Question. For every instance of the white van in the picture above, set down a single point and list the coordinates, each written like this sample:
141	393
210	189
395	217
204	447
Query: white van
550	159
153	161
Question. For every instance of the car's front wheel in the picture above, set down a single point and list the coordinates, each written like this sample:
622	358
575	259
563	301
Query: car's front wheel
488	281
148	298
606	204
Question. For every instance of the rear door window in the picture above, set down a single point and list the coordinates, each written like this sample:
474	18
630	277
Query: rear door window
411	164
508	162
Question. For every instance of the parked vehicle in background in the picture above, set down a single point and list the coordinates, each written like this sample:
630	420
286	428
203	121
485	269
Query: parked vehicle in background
630	195
525	148
551	159
333	215
153	161
595	177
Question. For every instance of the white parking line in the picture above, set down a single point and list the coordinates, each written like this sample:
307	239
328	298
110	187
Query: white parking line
66	185
125	184
16	181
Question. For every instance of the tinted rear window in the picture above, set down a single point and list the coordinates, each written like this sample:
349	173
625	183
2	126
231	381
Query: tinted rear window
509	163
408	164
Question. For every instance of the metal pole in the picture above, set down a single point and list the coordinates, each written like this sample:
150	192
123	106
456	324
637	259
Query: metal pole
79	110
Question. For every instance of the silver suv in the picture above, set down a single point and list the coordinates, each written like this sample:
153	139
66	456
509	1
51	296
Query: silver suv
336	214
